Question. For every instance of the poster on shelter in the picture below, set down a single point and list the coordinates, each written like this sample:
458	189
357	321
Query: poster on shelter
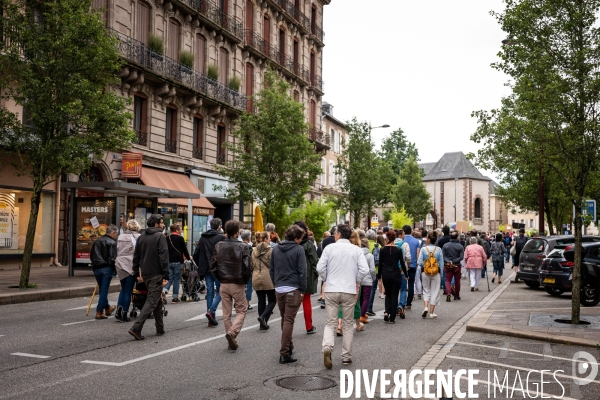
92	218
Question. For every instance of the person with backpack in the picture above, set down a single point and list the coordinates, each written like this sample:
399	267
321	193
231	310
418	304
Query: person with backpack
498	249
507	246
312	277
519	244
430	260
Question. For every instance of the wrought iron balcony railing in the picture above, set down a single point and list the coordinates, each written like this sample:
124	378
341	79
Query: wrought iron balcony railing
171	146
141	138
319	137
198	152
214	14
295	13
137	52
317	82
221	159
317	32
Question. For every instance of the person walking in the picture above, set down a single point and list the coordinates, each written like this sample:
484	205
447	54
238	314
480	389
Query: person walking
520	242
485	243
414	245
367	282
430	261
475	260
151	266
324	243
393	270
102	256
202	256
343	266
453	253
270	229
377	283
288	272
312	278
441	241
498	249
124	263
261	279
405	248
178	253
231	266
507	246
245	236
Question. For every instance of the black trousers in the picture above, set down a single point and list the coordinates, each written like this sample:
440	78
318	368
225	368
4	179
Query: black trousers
412	272
153	304
391	283
265	310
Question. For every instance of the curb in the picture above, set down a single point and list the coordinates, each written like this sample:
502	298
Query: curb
28	295
531	335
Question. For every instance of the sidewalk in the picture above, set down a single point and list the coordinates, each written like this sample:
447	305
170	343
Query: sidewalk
533	316
52	284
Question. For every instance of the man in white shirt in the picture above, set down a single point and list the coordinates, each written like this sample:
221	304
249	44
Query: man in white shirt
344	266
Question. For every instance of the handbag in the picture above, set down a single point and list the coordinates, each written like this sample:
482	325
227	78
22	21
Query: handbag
513	250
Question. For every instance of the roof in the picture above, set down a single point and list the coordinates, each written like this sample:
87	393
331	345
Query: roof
334	120
493	186
454	165
426	167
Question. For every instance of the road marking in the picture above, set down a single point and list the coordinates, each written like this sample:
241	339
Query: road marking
29	355
219	314
185	346
2	335
525	301
522	352
82	307
508	366
501	387
83	322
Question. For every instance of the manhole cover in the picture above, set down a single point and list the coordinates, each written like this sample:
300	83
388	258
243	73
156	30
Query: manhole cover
305	383
568	321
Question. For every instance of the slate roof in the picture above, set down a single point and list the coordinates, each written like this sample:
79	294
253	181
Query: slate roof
426	167
450	166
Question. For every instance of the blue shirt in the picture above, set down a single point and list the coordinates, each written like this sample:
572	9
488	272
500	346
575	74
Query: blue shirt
413	244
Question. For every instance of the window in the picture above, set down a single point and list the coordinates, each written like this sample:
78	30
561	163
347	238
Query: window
249	86
249	15
198	143
143	22
312	69
140	119
331	174
281	46
477	208
297	96
313	114
200	53
332	140
171	131
531	224
221	140
267	29
174	37
323	172
296	56
313	19
223	66
224	6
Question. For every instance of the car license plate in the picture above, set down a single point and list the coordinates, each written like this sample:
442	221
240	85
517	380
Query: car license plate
549	280
527	268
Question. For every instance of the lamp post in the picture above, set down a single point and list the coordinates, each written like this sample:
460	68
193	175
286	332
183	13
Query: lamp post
369	213
455	180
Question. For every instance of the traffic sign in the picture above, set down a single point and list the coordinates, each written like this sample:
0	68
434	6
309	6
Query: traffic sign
588	209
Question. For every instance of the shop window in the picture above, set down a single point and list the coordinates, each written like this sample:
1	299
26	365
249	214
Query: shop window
198	149
171	131
477	208
143	22
221	140
140	119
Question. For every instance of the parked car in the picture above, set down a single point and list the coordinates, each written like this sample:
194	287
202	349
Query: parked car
537	249
557	273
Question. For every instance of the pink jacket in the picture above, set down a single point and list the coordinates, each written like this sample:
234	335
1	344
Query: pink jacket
475	256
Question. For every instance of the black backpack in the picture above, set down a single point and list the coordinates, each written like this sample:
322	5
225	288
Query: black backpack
376	251
520	243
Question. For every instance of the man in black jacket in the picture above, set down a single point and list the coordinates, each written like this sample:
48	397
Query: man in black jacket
453	254
151	266
231	265
202	256
102	256
288	273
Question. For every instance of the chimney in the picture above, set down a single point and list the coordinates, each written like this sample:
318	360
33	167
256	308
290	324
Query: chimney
328	108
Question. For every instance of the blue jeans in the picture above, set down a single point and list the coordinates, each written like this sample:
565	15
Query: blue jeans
412	272
507	254
372	296
212	299
442	286
103	277
403	293
125	296
249	290
174	278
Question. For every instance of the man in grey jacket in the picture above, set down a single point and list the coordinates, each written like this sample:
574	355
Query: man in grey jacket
453	254
344	266
288	273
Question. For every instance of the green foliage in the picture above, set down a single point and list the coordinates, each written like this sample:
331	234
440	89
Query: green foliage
387	215
156	43
234	83
501	227
400	218
58	62
186	58
396	150
410	193
318	216
273	163
360	172
212	72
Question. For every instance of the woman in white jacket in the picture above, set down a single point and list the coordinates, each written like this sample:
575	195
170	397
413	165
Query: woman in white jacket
367	282
124	264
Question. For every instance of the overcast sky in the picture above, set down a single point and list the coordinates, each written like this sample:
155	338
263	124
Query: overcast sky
422	66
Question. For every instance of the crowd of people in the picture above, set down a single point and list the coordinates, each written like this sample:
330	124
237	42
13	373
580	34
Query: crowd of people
352	264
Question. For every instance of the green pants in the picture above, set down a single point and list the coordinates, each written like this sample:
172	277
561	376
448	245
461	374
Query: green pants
356	306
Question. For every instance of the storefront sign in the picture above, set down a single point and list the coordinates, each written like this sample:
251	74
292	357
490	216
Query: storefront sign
91	221
131	165
195	210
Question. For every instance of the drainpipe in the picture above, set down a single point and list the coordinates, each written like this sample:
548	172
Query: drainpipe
56	224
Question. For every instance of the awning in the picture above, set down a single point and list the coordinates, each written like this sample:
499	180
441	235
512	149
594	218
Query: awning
130	189
175	181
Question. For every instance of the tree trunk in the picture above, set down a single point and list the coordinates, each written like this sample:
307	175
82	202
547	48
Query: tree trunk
30	237
548	217
576	282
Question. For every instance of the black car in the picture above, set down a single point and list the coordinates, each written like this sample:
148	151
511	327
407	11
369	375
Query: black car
557	272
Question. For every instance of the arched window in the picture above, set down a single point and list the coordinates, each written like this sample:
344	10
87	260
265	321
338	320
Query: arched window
477	208
93	174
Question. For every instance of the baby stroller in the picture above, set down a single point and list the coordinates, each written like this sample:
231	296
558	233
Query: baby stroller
138	299
191	283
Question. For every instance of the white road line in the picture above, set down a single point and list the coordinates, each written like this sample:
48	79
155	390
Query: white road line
219	313
29	355
83	322
185	346
479	381
523	352
508	366
82	307
2	335
525	301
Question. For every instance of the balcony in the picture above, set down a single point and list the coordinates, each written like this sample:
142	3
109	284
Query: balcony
295	14
317	33
221	159
317	83
141	138
171	146
198	152
139	54
320	139
214	15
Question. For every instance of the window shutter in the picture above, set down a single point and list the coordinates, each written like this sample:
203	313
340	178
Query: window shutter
223	65
174	37
143	22
200	53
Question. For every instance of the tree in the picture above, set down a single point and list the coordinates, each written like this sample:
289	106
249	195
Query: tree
359	172
410	193
396	150
273	161
58	62
400	218
552	115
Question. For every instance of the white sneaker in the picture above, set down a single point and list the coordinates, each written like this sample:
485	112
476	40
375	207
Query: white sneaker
382	297
432	315
425	312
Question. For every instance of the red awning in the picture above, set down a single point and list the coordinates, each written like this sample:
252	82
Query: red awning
175	181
